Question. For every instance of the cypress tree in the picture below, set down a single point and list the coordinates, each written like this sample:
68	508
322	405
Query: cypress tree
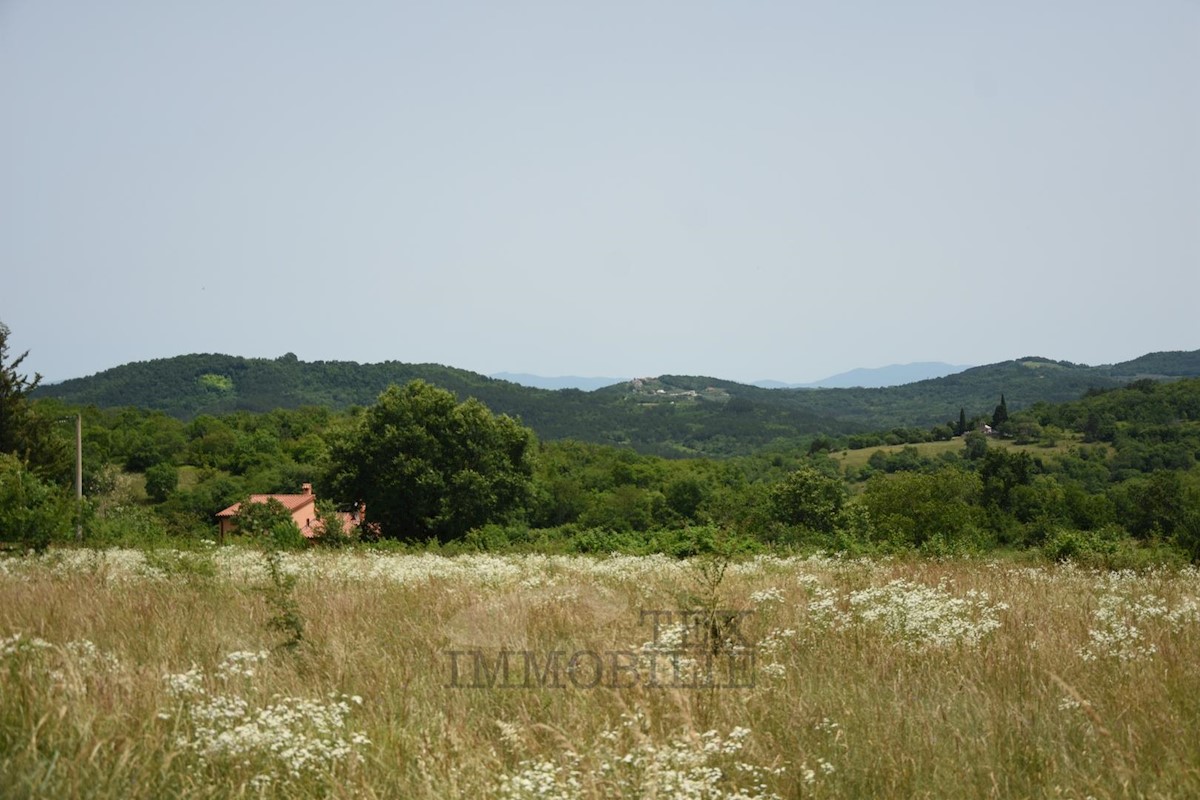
1000	415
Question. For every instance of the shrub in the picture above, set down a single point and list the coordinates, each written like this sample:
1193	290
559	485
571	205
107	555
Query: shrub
809	498
329	530
910	507
1110	547
161	481
125	525
32	513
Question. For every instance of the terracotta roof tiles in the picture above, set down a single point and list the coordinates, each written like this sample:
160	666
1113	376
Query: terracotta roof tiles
292	502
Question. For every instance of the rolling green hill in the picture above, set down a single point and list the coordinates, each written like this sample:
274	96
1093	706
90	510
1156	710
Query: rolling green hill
668	415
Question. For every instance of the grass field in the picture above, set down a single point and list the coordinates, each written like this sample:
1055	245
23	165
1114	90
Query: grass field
146	675
858	458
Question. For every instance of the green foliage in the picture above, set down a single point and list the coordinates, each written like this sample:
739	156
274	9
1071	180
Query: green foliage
32	512
854	529
808	498
425	465
328	528
281	598
1110	548
628	489
14	402
126	525
685	542
908	459
975	445
1002	471
218	384
518	537
691	416
268	520
685	496
1024	428
1163	504
1000	415
161	481
23	432
1187	532
625	508
910	508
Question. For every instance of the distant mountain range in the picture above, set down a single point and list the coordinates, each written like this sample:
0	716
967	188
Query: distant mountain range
556	382
865	377
669	415
876	377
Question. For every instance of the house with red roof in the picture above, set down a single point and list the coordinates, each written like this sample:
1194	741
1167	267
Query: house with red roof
303	508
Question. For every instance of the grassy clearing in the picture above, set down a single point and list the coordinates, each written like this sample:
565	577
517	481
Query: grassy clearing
134	676
857	459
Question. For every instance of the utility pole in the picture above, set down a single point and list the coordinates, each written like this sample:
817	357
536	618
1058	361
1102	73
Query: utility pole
79	477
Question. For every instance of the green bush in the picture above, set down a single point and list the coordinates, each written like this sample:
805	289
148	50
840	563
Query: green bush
601	541
1110	547
125	525
32	513
702	540
908	508
173	562
809	498
161	481
328	529
284	535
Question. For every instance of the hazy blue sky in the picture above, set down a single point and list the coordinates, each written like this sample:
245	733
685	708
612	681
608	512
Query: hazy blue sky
744	190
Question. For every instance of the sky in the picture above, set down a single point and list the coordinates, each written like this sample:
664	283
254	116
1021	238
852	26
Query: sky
743	190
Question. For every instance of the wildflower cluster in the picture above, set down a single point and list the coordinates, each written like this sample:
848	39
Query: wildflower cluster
770	647
284	740
626	762
18	644
1120	623
927	616
825	610
240	663
82	661
527	571
71	667
766	597
917	615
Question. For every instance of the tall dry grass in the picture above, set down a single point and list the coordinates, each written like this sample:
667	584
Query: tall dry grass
871	679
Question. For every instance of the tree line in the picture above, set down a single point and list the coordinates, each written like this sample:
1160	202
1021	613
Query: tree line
431	468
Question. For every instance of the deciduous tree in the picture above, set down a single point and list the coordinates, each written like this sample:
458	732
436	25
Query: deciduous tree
31	512
22	432
911	507
427	466
808	497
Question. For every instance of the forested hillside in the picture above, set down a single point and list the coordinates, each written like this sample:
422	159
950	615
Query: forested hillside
1111	476
668	415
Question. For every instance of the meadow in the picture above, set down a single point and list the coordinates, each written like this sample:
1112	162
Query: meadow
857	459
228	672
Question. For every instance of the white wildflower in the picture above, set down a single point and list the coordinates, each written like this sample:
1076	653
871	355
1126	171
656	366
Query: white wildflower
767	597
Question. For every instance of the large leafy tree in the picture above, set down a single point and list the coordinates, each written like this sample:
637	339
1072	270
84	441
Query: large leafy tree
910	508
809	498
427	466
32	512
22	432
13	402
